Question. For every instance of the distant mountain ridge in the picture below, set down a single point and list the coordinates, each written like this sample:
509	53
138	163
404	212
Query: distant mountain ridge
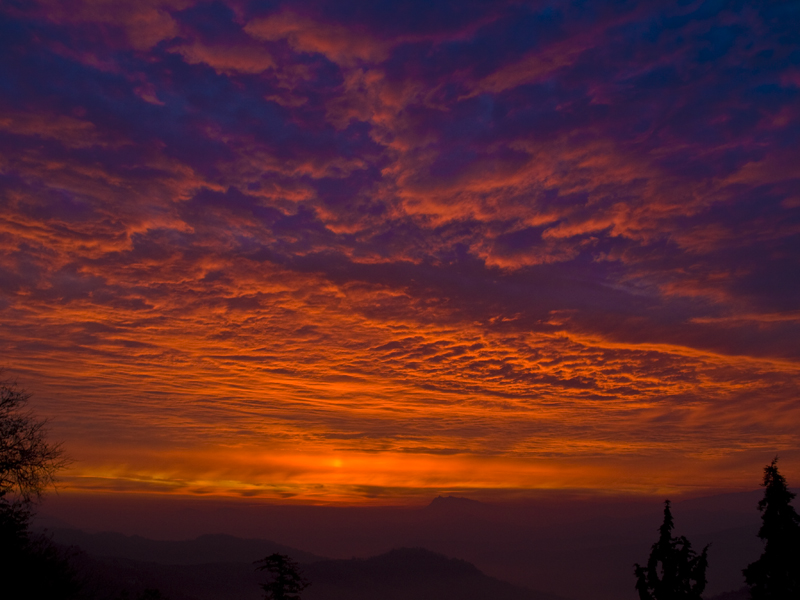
396	575
209	548
532	544
455	503
409	573
453	508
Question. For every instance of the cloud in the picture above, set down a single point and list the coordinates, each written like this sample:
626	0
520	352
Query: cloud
224	59
339	43
143	24
417	240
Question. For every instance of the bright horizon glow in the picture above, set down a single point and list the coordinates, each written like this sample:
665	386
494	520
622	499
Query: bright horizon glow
392	479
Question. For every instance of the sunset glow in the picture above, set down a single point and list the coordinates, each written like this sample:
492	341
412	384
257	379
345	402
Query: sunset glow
371	253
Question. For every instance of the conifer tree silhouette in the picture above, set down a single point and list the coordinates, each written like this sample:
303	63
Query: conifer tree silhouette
776	575
673	571
286	582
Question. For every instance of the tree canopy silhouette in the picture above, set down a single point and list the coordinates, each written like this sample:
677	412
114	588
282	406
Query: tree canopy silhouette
776	574
286	582
30	565
674	571
28	462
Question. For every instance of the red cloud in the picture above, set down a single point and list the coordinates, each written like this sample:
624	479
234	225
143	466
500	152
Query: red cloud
145	22
227	59
340	44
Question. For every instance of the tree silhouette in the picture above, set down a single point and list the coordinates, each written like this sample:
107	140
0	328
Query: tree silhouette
776	575
286	582
28	462
673	571
30	565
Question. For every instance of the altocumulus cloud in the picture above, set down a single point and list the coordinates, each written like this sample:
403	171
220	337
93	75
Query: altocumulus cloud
466	245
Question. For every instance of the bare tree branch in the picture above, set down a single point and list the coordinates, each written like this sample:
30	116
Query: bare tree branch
28	462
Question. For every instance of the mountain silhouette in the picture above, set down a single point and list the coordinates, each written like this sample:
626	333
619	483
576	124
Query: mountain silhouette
455	504
409	573
396	575
535	544
209	548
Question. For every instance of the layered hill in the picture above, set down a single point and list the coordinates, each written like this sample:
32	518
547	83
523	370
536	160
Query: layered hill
220	567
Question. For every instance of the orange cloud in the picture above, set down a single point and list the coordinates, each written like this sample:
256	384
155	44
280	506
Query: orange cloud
70	131
538	65
226	59
338	43
145	23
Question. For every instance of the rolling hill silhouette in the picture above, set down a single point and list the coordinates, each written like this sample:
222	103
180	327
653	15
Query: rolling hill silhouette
409	573
456	505
534	544
396	575
209	548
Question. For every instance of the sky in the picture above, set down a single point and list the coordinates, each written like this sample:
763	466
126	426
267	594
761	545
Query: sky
372	252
